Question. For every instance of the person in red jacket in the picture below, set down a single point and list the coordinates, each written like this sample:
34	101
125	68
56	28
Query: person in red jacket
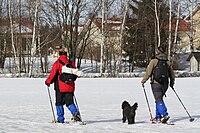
64	91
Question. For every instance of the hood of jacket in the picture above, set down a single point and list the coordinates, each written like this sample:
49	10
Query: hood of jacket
162	56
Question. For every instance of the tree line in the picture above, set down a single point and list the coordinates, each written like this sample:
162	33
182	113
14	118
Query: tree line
57	22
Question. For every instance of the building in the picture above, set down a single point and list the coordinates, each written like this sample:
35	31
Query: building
195	26
22	30
194	59
92	31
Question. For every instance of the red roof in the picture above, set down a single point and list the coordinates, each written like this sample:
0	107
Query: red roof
113	24
24	21
182	25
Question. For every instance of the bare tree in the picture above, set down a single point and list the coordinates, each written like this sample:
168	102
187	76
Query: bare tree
122	35
20	36
177	23
170	30
12	36
104	16
191	26
157	22
33	45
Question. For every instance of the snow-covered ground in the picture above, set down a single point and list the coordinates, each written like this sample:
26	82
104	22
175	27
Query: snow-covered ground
25	106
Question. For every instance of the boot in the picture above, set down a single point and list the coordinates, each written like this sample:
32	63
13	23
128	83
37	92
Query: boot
75	113
156	120
77	116
164	119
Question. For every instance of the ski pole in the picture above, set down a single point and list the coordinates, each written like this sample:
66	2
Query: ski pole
54	118
191	119
147	103
77	106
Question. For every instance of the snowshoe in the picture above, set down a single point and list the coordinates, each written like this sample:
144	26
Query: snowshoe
56	121
76	117
164	119
155	120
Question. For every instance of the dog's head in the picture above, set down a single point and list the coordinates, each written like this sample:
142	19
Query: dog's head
125	104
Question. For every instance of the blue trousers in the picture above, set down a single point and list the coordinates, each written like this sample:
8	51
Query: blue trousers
60	112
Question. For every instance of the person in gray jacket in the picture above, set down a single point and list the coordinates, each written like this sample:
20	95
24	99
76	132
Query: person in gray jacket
159	89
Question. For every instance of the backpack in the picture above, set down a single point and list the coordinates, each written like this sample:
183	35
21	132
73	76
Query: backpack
161	72
67	77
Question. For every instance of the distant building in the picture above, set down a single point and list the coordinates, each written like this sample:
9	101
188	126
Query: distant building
22	29
184	37
194	59
93	30
196	26
183	31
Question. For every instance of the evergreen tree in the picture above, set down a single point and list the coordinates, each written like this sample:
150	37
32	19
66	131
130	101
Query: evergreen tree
141	37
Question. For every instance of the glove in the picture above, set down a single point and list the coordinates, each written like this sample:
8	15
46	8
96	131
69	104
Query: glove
47	84
171	85
142	84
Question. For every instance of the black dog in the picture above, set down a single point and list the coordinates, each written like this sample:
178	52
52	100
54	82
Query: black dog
129	112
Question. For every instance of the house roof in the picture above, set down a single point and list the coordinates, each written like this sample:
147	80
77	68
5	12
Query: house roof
113	24
196	56
182	26
73	26
26	25
194	11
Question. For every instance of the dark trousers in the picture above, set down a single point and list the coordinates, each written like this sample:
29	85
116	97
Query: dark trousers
63	98
159	91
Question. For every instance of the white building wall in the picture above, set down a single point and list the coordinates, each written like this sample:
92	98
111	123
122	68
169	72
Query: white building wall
194	64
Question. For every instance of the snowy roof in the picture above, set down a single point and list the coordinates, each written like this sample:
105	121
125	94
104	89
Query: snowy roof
113	24
195	54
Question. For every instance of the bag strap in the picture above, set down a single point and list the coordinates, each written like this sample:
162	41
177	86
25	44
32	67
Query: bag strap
68	63
61	62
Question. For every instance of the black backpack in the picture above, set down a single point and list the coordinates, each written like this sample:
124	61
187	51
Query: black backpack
161	72
67	77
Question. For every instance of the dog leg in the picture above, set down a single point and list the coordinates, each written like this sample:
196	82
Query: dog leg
124	117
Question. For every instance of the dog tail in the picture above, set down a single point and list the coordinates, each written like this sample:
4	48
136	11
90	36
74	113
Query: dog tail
135	105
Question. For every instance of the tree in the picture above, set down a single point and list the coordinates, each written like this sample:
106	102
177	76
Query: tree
142	31
12	36
33	44
170	30
122	34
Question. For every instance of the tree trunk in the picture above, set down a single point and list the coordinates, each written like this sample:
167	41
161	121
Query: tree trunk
191	26
102	60
12	37
177	23
33	45
121	37
158	23
170	30
20	37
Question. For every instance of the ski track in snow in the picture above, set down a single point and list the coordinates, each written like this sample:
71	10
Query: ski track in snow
25	106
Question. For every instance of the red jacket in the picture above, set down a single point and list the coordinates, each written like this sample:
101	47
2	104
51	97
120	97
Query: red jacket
55	78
